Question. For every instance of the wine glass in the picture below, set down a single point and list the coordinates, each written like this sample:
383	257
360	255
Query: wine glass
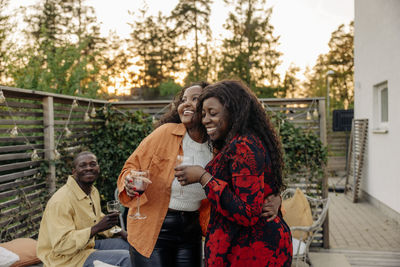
114	206
181	161
140	180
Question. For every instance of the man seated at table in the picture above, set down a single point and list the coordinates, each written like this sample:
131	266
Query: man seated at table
73	217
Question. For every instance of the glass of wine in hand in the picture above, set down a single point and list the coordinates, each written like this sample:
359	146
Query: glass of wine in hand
114	206
183	160
140	181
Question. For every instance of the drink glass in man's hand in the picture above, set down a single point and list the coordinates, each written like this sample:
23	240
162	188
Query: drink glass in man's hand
114	206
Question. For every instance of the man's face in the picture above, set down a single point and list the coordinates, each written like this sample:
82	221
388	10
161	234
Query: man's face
86	169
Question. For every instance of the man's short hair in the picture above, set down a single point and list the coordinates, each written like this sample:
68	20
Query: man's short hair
83	153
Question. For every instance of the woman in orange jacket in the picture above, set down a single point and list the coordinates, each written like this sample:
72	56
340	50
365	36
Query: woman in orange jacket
171	233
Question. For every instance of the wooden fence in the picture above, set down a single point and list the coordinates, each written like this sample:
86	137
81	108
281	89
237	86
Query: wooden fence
34	124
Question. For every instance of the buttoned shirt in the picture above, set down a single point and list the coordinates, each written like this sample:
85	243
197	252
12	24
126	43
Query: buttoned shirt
64	235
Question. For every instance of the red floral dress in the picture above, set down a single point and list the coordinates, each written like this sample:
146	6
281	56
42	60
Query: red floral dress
237	235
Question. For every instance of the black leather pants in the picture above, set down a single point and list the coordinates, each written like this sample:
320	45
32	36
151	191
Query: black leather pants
178	245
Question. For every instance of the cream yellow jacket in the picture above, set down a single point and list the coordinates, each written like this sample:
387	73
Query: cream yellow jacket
64	234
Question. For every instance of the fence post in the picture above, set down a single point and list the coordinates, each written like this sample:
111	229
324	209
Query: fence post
49	144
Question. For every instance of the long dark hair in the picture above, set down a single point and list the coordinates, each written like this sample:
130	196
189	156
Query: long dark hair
172	115
246	116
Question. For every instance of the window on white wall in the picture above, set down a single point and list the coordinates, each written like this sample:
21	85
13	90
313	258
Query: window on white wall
381	107
383	94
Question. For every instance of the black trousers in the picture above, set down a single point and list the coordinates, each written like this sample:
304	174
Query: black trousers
178	245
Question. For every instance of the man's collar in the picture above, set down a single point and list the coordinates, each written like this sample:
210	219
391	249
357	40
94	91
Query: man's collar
79	193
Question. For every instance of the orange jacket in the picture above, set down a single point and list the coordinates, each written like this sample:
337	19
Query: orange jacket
156	153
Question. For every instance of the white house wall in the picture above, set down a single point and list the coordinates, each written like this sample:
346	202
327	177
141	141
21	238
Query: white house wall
377	59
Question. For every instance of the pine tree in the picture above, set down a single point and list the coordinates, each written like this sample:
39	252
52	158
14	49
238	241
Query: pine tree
191	18
159	56
340	59
291	84
115	65
250	52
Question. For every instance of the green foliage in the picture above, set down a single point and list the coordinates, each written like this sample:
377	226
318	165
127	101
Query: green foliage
169	88
64	167
303	149
192	22
113	141
291	83
250	53
113	138
154	44
340	59
266	91
5	44
117	134
304	154
60	70
63	53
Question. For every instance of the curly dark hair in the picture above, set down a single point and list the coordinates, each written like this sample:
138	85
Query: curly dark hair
172	115
246	116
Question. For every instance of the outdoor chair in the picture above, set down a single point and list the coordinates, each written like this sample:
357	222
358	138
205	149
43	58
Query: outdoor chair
123	211
319	209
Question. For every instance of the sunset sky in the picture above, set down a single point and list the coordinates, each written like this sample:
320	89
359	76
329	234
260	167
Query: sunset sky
304	26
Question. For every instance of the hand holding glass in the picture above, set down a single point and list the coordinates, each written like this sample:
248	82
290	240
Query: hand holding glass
140	180
114	206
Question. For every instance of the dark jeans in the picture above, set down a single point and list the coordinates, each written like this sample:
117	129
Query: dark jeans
178	245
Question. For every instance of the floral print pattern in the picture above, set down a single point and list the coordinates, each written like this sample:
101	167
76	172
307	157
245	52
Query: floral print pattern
237	235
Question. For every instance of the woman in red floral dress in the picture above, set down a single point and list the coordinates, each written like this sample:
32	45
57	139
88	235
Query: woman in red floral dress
247	167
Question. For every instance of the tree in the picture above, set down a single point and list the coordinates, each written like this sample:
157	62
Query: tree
250	52
169	89
64	56
116	62
154	43
291	83
83	26
191	19
340	59
5	45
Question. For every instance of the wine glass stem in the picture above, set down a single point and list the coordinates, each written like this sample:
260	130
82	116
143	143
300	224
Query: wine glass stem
138	206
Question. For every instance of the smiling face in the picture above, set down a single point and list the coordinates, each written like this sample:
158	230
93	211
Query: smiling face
86	169
215	118
187	107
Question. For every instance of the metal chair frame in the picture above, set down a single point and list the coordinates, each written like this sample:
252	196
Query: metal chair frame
122	208
319	209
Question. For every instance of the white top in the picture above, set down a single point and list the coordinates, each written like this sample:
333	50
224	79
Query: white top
194	154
